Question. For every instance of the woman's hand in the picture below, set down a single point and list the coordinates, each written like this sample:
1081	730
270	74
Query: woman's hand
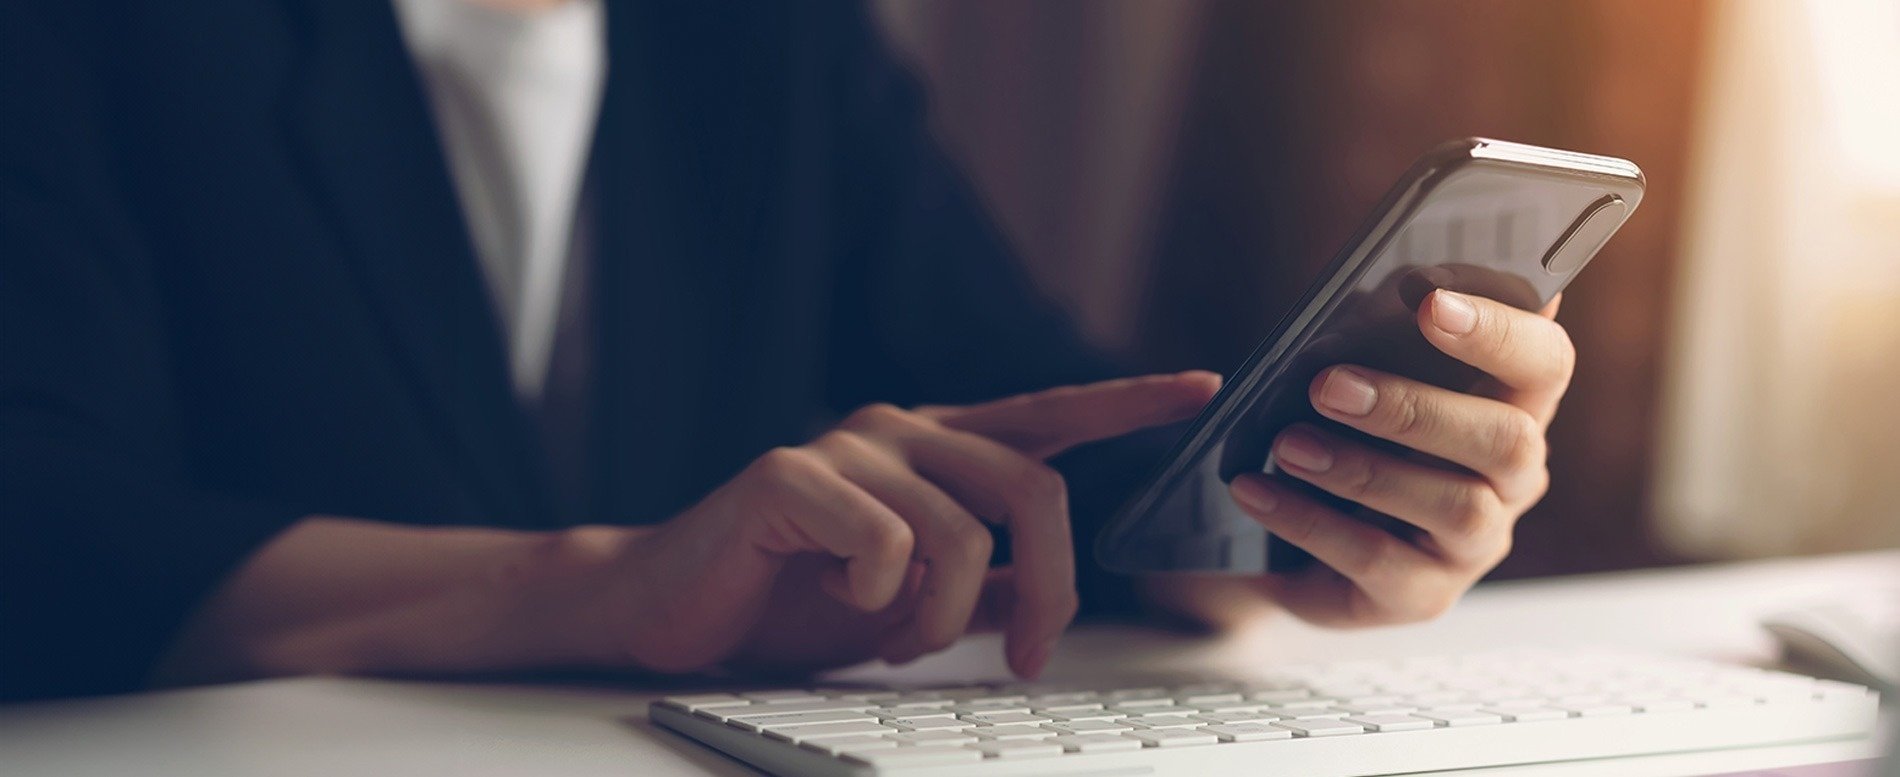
1483	467
871	540
866	542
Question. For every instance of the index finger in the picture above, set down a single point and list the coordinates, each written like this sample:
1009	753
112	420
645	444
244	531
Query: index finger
1528	353
1046	423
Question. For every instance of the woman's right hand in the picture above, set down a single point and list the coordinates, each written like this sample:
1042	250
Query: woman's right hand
870	541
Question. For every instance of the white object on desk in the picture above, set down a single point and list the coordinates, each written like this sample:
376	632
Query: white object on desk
1462	711
328	727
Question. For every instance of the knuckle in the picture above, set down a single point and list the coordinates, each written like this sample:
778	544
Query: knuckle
1501	550
1405	410
1305	525
1359	477
844	442
1540	484
1040	484
1467	512
1436	603
876	415
1520	443
1503	331
971	543
1386	565
1427	602
785	462
892	539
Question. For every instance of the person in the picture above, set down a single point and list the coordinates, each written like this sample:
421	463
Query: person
457	336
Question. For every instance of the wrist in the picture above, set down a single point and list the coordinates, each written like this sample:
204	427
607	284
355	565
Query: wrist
564	589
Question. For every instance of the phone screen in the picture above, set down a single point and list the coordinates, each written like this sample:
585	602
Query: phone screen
1511	231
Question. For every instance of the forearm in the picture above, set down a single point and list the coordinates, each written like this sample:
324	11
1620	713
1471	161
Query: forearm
337	595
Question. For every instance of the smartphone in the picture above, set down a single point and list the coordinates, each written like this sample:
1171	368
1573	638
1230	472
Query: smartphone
1507	221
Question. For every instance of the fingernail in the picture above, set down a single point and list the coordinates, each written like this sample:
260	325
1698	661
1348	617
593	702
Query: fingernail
1346	391
1253	495
1453	313
1303	450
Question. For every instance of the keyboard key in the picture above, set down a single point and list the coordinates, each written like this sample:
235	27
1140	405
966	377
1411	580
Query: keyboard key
836	745
697	701
924	724
913	756
1325	727
939	736
1143	712
1292	707
1073	716
1527	714
1280	697
912	712
1132	702
996	697
1233	706
1138	693
1017	748
1007	732
872	696
1059	709
916	704
782	696
1064	701
1004	718
1095	743
1391	722
1385	708
1167	721
762	722
1197	699
1460	717
1199	688
1088	727
1311	714
1228	718
1171	737
797	734
959	692
787	708
989	707
1246	732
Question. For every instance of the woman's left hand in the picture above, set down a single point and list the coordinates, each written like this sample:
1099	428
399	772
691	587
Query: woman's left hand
1491	445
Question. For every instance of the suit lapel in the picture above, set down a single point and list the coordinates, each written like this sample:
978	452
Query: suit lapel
359	119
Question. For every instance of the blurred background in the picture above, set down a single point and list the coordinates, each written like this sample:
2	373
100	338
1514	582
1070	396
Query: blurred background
1174	172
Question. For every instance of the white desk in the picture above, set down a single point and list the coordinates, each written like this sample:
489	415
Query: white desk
327	727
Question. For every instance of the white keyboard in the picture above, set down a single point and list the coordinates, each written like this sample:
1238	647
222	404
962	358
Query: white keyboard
1360	718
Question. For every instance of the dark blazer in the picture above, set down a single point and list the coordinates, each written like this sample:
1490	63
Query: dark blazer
235	289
